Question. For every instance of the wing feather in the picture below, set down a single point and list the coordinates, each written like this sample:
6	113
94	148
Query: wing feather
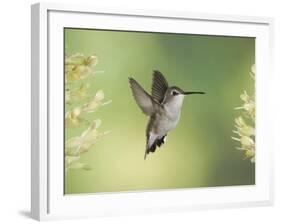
159	86
142	98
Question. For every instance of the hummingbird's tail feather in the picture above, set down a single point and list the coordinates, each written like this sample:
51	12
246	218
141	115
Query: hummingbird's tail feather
153	142
161	141
150	149
150	143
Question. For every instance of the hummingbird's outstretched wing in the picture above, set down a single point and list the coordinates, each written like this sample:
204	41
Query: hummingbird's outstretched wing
159	86
146	103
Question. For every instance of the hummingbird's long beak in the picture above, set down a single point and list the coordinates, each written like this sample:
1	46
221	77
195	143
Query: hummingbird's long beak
188	93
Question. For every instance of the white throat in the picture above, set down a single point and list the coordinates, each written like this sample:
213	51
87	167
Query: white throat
174	105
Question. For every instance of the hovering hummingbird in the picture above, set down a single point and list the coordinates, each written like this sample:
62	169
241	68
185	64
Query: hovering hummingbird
163	107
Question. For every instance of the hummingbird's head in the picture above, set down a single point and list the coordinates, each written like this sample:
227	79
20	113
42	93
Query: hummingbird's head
176	95
176	91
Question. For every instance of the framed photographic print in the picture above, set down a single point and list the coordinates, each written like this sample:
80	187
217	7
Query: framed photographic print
148	111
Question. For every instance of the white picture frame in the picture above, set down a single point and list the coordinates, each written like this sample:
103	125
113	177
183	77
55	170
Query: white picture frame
48	200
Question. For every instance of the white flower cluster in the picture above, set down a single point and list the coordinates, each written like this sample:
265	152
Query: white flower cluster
81	102
245	125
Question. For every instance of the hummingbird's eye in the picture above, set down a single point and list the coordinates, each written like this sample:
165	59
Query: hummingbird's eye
174	93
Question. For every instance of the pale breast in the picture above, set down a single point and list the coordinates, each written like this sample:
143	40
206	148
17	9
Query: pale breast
162	123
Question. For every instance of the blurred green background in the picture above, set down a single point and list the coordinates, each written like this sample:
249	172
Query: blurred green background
200	151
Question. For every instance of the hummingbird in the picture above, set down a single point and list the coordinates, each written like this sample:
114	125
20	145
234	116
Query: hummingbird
163	107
